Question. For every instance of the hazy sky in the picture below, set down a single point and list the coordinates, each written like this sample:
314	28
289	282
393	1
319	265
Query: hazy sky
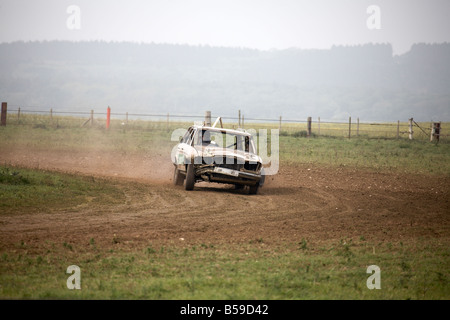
260	24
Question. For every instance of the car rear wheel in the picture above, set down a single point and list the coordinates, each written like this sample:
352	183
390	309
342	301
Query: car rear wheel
178	178
190	177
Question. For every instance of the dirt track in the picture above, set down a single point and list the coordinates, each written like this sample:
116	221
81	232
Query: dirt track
314	203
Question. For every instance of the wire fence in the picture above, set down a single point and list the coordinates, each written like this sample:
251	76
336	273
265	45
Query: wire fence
353	128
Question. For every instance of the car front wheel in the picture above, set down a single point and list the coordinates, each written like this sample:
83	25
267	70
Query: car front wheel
190	177
254	189
178	178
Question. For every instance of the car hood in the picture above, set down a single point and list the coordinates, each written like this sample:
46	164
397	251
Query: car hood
212	151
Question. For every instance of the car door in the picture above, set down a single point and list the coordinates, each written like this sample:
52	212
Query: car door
185	149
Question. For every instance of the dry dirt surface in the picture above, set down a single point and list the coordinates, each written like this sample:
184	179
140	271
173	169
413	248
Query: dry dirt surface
304	202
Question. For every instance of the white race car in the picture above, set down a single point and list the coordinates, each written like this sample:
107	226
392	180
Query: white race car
217	155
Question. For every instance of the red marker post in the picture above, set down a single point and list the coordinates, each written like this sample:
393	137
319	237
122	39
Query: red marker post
108	117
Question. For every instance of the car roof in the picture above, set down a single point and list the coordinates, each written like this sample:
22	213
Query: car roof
233	131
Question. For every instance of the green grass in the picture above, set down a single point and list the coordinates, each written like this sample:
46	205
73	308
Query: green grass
24	190
374	154
84	139
233	271
416	156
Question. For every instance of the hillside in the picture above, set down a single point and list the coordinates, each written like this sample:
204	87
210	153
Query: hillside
361	81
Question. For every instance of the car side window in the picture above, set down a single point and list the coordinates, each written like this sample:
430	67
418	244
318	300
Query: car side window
247	144
190	137
186	136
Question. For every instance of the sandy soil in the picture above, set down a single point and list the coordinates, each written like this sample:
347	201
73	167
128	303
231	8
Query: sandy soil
307	202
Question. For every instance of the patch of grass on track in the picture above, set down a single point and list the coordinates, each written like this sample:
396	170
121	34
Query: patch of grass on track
25	190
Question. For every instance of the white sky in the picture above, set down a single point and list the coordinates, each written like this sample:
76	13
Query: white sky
259	24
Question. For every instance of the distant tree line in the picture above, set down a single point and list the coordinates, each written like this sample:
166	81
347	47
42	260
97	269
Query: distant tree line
367	81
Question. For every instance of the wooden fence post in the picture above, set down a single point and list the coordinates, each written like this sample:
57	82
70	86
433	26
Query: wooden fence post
357	127
411	129
432	131
239	123
3	116
18	115
208	118
349	127
318	129
242	121
308	132
435	131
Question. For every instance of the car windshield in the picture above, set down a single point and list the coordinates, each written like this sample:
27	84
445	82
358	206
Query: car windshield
224	139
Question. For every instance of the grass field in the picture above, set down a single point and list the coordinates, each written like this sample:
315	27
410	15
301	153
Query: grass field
115	268
245	271
66	133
